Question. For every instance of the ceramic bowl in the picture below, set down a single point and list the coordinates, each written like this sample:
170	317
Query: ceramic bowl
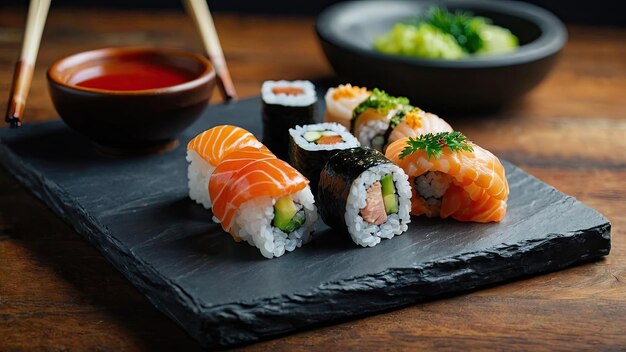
130	121
347	30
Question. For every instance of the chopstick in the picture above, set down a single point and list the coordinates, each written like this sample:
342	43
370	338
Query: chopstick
199	11
23	74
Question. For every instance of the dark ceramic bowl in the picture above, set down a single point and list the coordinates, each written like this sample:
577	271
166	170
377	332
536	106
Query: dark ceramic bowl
347	31
131	121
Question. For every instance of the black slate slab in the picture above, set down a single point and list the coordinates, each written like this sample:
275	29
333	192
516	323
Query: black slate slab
136	212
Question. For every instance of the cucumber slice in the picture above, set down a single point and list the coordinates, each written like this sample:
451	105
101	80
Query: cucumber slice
295	223
284	211
389	194
312	136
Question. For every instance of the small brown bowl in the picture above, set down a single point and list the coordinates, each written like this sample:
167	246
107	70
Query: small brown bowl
130	121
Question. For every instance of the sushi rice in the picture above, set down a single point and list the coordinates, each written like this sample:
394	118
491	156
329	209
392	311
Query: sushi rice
372	133
198	174
349	141
308	96
253	224
364	233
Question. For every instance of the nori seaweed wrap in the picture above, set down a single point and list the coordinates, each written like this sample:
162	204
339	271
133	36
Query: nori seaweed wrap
311	146
286	104
349	184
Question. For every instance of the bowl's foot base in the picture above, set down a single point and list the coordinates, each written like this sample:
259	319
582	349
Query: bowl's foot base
115	151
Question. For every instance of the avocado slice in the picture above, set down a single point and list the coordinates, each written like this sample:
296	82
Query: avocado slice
312	136
389	194
284	210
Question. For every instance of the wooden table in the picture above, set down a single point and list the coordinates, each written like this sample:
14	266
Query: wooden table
58	293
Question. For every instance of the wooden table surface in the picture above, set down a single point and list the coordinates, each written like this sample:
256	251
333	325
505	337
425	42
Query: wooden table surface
58	293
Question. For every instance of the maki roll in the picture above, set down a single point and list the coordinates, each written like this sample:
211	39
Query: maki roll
262	200
452	177
341	101
371	118
414	123
286	104
364	194
206	150
310	147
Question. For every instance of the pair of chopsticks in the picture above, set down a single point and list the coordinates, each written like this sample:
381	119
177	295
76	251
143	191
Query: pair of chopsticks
23	75
36	20
199	11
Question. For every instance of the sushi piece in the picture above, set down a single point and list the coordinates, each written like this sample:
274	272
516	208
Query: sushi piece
414	123
341	101
371	118
286	104
310	147
263	201
206	150
452	177
364	194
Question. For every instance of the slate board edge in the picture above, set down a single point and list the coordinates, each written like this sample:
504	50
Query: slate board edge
246	322
130	266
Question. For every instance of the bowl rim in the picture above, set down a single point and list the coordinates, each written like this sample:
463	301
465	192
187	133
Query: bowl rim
551	40
207	75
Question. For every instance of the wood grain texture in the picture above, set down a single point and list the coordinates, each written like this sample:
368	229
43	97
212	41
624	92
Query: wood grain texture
58	293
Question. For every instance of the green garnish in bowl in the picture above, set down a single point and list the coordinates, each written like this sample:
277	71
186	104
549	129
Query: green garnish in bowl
442	34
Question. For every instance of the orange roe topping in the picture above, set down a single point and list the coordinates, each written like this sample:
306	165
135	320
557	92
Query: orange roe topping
413	119
348	91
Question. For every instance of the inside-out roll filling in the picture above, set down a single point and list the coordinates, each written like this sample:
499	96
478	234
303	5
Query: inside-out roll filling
271	226
288	214
430	187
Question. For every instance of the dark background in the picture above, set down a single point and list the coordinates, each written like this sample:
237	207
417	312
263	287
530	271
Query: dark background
598	12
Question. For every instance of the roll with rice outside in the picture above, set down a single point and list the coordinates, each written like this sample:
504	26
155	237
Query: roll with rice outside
371	118
414	123
452	177
206	151
341	101
263	200
363	194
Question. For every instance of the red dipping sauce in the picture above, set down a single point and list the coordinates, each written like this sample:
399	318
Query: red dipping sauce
137	76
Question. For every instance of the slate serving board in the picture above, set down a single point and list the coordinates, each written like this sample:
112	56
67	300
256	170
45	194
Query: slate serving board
136	212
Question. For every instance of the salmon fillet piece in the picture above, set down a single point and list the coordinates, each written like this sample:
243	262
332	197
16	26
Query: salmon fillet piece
374	211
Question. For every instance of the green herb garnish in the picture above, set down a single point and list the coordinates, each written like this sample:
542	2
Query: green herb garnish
433	144
464	27
448	35
381	101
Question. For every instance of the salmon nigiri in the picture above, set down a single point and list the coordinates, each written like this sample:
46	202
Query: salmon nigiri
265	202
415	123
206	150
452	177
